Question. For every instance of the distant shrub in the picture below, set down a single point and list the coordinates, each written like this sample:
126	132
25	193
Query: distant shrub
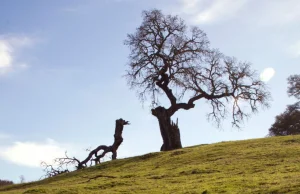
5	182
287	123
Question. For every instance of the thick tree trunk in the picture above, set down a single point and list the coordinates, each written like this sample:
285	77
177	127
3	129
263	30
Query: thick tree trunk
118	137
169	130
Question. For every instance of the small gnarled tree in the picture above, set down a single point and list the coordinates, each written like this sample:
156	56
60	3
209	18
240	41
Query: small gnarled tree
61	165
171	59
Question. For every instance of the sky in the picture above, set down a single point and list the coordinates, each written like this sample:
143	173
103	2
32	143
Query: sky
61	67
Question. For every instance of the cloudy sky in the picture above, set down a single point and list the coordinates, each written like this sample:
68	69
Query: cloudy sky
61	67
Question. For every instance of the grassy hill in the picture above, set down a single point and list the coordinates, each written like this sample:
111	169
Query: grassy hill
267	165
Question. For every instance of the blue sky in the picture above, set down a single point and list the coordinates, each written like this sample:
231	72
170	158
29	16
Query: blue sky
61	67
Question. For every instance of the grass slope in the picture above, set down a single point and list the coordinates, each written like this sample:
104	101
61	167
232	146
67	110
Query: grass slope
268	165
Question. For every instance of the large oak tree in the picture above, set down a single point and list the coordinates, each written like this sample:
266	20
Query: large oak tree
168	58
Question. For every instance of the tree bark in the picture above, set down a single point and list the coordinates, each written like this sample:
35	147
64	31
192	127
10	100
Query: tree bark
118	136
169	131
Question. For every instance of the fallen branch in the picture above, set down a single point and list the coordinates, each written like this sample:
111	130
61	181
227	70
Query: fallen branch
94	156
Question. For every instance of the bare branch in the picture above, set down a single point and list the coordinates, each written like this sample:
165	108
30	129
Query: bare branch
51	171
61	165
160	50
165	56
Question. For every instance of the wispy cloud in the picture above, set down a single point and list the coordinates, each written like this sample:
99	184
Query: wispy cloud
71	9
10	46
210	11
267	13
32	153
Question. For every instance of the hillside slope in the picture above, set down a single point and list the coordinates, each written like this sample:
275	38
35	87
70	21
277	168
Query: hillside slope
268	165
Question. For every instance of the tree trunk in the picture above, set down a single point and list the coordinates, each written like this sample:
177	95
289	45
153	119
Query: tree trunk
169	130
106	149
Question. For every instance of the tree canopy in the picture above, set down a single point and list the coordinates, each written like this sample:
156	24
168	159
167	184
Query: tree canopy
294	86
288	123
168	58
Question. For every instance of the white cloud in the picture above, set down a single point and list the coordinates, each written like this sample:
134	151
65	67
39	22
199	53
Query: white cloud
5	57
9	48
210	11
263	13
267	74
32	153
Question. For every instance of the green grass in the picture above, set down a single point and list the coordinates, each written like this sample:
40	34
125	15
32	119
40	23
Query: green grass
267	165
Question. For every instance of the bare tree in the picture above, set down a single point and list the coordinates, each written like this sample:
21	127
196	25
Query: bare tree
167	58
22	179
294	86
62	164
51	170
